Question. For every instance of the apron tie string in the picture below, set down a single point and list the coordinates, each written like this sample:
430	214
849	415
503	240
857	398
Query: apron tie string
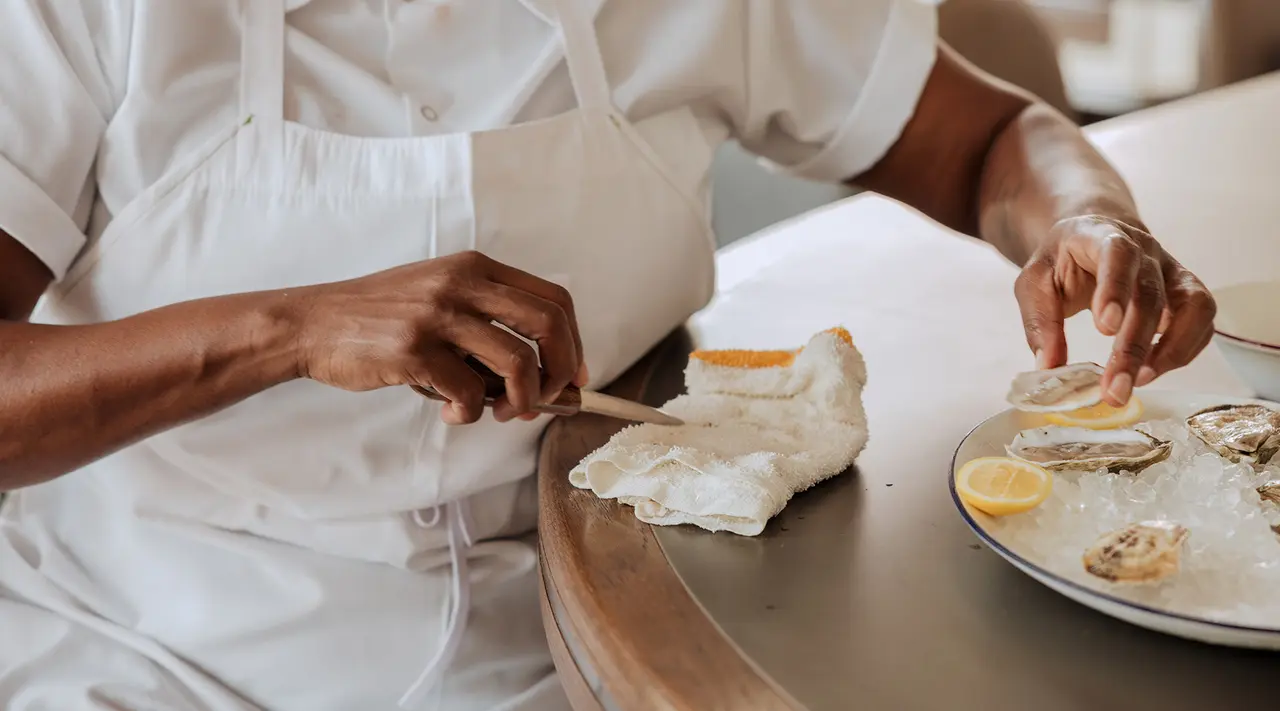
455	515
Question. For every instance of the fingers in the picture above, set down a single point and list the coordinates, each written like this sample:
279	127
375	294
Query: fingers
540	320
1190	328
509	357
1133	340
1119	259
1041	307
445	371
552	292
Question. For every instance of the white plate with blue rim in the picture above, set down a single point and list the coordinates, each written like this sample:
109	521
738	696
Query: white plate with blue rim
1193	604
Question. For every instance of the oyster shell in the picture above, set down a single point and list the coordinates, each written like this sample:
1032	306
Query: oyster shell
1083	449
1143	552
1242	433
1070	387
1270	491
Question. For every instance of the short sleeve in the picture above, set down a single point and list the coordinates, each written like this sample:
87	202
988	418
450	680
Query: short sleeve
55	98
830	84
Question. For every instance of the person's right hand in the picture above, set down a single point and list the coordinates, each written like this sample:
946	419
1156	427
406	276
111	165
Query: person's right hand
413	325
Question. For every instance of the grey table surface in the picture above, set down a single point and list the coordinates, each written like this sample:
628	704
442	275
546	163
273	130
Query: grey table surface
869	591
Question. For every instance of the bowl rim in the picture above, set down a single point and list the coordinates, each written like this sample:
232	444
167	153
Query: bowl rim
1222	291
1008	553
1263	345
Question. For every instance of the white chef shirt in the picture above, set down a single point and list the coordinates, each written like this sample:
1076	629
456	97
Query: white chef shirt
99	97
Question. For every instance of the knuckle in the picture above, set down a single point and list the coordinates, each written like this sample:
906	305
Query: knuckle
522	360
561	296
405	344
1121	245
1029	279
1136	352
1202	301
1150	291
544	320
556	318
448	286
472	259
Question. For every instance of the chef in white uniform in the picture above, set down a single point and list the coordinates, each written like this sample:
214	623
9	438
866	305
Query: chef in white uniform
232	231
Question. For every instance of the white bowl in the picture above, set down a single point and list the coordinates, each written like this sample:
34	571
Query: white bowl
1247	331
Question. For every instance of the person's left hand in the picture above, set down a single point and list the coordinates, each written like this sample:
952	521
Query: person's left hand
1135	290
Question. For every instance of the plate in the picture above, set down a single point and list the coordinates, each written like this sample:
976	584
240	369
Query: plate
990	438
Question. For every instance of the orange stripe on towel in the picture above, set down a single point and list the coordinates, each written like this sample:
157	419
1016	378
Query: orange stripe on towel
760	359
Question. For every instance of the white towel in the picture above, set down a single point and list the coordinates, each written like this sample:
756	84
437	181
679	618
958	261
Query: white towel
753	437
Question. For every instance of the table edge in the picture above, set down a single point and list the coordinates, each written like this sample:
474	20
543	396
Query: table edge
650	643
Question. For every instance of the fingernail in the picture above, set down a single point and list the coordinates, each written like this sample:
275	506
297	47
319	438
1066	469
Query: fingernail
1112	317
1041	362
1121	387
1145	375
553	397
583	377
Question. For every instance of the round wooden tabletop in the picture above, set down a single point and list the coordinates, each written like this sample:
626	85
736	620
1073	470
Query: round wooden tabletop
868	590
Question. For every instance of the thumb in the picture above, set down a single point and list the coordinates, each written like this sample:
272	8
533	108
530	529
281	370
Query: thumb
1041	305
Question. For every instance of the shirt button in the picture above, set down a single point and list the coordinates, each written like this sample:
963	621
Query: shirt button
429	114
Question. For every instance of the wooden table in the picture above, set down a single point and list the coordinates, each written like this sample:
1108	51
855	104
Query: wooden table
868	591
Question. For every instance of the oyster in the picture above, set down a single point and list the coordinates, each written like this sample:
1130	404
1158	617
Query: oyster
1139	553
1070	387
1242	433
1270	491
1083	449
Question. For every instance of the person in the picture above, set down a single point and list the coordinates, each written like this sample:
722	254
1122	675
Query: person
233	232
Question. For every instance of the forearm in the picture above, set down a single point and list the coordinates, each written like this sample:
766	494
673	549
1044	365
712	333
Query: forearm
72	394
990	160
1039	170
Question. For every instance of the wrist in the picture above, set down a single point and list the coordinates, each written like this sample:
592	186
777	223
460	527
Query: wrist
274	324
1116	211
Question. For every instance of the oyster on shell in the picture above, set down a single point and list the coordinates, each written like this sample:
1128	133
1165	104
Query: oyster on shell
1070	387
1083	449
1144	552
1242	433
1270	491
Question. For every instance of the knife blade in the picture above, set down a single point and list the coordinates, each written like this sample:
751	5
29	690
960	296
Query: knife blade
571	401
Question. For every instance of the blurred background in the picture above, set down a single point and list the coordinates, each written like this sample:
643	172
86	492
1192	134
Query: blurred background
1092	59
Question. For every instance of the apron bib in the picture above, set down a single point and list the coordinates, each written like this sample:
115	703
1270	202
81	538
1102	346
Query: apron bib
316	549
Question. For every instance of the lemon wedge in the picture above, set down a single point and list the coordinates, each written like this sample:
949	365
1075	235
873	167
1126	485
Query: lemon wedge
1100	417
1000	486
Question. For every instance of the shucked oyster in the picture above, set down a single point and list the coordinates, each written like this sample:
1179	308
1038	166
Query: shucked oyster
1241	433
1082	449
1270	491
1139	553
1070	387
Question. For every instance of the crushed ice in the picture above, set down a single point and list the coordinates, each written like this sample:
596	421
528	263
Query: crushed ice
1230	570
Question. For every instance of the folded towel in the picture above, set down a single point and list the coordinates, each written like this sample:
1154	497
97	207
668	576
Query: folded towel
759	427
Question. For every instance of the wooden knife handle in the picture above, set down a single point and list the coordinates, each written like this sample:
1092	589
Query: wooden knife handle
569	402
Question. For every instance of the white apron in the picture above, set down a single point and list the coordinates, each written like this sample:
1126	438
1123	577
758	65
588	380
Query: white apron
309	548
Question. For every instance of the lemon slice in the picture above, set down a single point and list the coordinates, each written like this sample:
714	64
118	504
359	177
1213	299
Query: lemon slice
1000	486
1099	417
